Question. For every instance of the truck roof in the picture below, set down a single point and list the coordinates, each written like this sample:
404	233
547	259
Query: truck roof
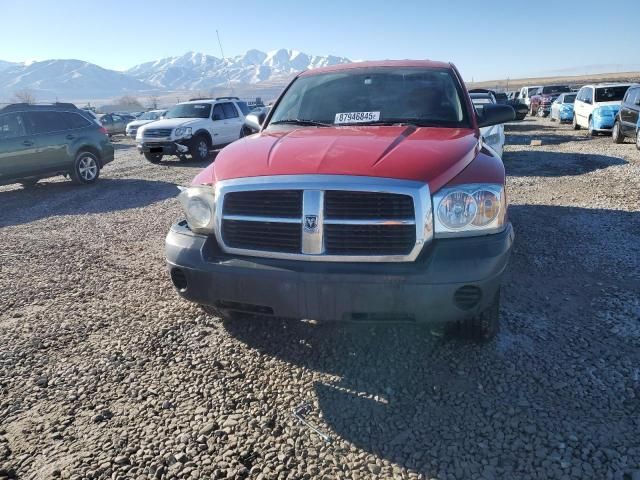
376	64
600	85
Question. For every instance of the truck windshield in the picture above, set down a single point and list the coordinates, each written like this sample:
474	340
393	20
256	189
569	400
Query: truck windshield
556	89
189	110
611	94
421	96
149	116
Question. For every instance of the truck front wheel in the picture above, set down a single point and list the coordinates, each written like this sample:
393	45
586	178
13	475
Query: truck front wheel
199	148
484	326
222	314
153	157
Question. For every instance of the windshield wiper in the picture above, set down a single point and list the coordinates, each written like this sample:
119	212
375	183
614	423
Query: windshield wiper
299	121
410	122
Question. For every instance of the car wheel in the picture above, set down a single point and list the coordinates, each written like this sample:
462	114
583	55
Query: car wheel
592	132
638	139
199	148
575	123
153	157
86	168
28	182
484	326
616	133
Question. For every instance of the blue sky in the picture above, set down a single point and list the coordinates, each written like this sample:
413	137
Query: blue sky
485	39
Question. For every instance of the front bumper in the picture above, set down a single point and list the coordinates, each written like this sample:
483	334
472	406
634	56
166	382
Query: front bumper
162	147
427	290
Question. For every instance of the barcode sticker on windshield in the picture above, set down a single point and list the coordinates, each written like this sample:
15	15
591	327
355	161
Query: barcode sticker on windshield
356	117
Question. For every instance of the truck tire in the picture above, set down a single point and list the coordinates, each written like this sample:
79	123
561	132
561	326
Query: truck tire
199	148
86	168
222	314
28	182
484	326
153	157
616	133
638	139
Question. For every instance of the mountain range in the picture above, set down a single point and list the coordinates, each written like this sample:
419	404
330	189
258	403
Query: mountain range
76	79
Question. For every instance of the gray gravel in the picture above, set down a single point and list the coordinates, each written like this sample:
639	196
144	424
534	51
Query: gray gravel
106	373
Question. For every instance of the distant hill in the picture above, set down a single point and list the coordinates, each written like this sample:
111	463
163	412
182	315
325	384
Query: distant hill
572	80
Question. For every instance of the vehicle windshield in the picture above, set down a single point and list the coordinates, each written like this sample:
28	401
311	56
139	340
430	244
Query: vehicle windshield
531	91
569	98
556	89
611	94
481	100
244	108
421	96
189	110
150	116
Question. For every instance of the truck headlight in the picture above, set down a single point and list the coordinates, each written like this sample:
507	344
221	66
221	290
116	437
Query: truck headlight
182	132
468	210
199	205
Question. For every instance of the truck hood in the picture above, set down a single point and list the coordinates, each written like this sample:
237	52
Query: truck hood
176	122
429	155
139	123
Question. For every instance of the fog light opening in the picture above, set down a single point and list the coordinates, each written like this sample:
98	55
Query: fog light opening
179	279
467	297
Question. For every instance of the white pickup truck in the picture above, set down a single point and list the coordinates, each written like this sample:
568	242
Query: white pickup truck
193	128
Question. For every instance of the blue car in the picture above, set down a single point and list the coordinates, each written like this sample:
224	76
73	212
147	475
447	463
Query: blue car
562	107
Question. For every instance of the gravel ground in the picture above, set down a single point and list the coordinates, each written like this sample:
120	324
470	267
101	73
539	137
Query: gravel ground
106	373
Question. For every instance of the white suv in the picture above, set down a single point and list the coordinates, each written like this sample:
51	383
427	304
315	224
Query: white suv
194	128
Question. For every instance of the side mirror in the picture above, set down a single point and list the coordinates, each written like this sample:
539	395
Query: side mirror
495	115
637	102
216	117
253	122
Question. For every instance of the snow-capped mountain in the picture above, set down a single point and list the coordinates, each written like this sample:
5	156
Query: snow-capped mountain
76	79
199	71
4	65
66	79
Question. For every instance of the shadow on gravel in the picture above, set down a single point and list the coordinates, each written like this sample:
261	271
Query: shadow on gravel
541	163
122	146
556	380
64	198
547	139
172	161
528	125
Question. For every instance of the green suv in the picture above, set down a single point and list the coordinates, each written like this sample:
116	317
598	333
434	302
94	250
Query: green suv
39	141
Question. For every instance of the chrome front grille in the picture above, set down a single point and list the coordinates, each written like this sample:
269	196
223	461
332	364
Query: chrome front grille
361	205
157	133
324	217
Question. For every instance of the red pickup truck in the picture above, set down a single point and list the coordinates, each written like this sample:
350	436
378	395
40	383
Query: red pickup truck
544	97
366	194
